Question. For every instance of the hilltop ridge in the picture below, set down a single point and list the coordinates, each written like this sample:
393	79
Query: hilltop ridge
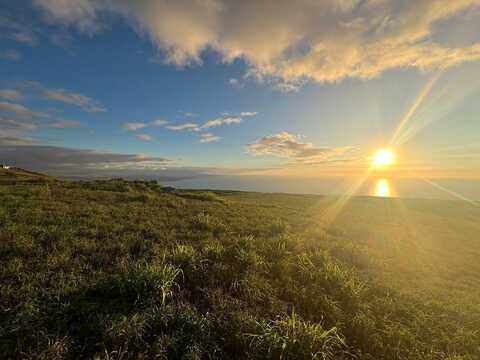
15	174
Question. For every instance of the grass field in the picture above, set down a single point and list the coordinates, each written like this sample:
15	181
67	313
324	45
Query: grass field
123	270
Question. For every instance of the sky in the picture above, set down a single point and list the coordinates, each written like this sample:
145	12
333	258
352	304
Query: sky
179	89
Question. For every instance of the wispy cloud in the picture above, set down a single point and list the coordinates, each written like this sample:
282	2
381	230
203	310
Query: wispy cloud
133	126
227	119
159	122
20	110
10	54
237	83
82	101
248	113
25	37
144	137
288	43
19	127
187	113
222	121
62	39
292	147
182	127
12	95
208	138
8	141
18	32
63	124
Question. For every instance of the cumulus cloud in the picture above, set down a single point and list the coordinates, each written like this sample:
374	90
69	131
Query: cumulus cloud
12	95
84	102
133	126
144	137
208	138
292	147
284	42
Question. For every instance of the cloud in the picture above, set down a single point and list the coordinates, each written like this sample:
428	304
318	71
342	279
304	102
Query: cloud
63	124
12	95
186	126
208	138
17	31
292	147
15	127
84	102
10	54
236	83
144	137
75	162
61	39
159	122
228	120
287	43
18	127
222	121
20	110
133	126
25	37
187	114
15	141
38	90
248	113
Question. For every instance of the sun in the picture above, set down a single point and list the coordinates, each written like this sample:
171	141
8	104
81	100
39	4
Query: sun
383	158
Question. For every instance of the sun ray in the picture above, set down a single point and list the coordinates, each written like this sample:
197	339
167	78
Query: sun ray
420	98
332	212
450	192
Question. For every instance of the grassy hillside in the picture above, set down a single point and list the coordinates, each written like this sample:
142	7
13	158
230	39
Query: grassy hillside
122	270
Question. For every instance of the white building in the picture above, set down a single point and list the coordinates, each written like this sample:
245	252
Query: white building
4	166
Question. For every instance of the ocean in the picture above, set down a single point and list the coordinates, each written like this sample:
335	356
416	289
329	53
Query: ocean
447	189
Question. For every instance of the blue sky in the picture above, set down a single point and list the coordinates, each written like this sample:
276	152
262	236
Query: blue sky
263	91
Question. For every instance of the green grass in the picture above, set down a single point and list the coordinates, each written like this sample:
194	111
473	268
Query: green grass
121	270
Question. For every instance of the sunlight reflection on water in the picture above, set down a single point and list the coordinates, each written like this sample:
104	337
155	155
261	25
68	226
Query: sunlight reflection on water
382	188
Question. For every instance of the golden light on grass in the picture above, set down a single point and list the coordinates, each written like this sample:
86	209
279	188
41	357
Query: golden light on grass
383	158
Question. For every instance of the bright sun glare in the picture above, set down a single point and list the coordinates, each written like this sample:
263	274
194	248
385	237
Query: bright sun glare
383	158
